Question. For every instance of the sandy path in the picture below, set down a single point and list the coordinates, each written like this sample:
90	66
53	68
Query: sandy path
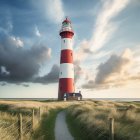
61	130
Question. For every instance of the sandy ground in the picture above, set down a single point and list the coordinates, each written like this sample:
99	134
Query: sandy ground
61	130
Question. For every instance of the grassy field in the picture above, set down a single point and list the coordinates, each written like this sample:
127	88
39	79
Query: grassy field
91	120
9	116
87	120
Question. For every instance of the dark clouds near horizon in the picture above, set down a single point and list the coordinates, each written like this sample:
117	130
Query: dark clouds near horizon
51	77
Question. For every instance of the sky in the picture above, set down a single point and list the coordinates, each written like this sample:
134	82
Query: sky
106	47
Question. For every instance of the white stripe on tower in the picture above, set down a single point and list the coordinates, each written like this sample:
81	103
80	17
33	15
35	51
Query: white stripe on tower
66	70
66	43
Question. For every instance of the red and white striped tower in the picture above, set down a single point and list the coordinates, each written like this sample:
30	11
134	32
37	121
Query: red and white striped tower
66	75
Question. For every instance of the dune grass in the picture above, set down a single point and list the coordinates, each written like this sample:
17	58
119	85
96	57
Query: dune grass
9	115
91	119
87	120
45	130
75	128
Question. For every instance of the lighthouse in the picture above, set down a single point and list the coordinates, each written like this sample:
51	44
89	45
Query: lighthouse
66	74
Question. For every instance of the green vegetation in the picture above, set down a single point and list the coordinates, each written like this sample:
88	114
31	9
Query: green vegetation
87	120
90	120
45	130
76	128
9	123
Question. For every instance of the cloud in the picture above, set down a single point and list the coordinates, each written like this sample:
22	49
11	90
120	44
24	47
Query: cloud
51	77
103	30
114	65
37	32
25	85
105	26
21	64
6	24
9	25
77	71
17	41
3	84
79	57
82	51
54	10
92	85
114	72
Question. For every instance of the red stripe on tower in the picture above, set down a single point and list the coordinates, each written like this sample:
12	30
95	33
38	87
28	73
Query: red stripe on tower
66	56
66	75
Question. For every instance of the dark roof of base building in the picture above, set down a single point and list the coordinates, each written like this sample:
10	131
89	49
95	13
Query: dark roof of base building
76	94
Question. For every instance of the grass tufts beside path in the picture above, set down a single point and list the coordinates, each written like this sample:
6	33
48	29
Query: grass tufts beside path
46	129
90	120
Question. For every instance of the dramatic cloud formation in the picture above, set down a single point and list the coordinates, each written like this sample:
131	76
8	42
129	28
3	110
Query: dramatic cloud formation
51	77
105	27
114	72
29	37
19	64
114	65
103	30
